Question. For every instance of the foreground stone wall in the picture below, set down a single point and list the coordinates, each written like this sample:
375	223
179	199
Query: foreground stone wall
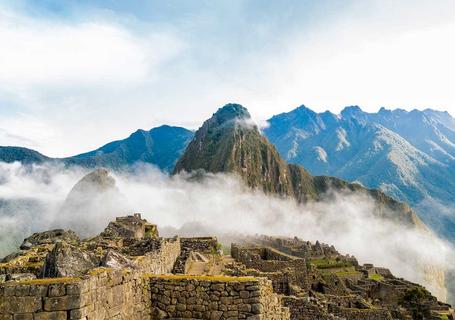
114	294
218	297
106	294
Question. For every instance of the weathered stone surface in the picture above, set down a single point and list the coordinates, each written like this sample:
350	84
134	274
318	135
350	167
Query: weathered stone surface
21	304
49	237
19	276
130	227
115	260
66	260
57	315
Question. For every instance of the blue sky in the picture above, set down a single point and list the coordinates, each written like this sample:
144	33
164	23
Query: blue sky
77	74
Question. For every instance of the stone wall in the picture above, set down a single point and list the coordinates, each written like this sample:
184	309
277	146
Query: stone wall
114	294
297	247
360	314
303	309
283	270
218	297
162	260
108	294
266	260
187	245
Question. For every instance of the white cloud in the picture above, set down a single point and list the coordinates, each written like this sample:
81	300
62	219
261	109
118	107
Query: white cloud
24	131
331	69
40	52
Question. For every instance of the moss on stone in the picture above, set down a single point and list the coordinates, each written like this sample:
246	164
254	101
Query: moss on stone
220	278
100	270
47	281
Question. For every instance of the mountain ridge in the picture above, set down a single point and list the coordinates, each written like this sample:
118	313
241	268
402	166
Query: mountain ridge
160	146
354	147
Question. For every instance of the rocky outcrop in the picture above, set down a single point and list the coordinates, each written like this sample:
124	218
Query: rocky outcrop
115	260
66	260
91	203
48	237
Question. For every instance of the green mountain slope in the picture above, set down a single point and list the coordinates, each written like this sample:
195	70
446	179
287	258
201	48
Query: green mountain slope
23	155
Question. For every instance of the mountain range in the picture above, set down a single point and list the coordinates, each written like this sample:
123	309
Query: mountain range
410	156
161	146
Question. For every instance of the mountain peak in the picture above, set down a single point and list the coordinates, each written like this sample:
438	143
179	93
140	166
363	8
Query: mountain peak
231	111
351	110
303	108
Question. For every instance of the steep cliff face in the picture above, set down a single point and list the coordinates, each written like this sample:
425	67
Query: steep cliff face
230	142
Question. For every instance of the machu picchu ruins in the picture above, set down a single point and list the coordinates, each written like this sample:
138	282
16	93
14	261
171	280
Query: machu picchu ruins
129	272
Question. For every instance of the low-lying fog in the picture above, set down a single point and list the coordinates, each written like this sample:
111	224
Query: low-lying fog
31	200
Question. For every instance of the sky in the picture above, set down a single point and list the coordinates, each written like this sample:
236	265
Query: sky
75	75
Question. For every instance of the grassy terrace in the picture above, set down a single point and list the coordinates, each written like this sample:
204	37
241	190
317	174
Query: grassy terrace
44	281
202	278
376	277
348	273
327	263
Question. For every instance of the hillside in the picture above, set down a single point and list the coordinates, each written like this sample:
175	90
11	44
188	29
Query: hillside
23	155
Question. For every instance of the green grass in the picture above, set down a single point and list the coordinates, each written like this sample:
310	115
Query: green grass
48	281
221	278
376	277
347	273
443	317
327	263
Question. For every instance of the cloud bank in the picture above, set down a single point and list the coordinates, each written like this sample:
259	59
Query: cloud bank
218	204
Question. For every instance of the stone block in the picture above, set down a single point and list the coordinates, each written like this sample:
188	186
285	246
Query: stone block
22	304
23	316
63	303
56	290
59	315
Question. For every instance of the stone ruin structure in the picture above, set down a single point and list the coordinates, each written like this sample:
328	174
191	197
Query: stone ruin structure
129	272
